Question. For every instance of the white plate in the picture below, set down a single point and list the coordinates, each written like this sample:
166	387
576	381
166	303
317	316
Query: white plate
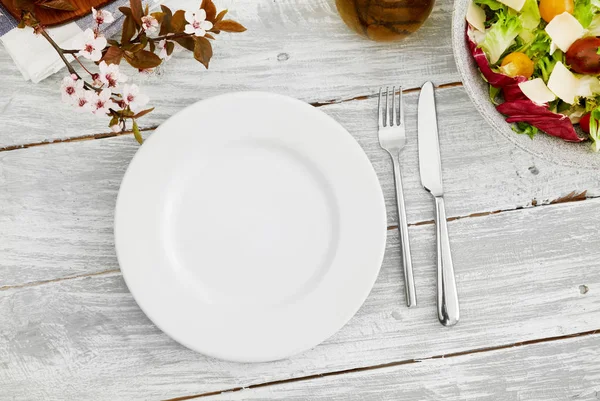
250	227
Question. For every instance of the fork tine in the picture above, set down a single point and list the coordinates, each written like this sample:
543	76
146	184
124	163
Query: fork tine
401	101
387	107
394	113
380	110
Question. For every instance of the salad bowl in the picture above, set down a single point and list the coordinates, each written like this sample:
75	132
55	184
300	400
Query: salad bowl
544	146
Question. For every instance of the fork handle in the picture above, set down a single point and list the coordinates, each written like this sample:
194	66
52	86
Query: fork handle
447	296
409	281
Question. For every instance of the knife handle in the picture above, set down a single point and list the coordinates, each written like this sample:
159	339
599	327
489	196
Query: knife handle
447	296
409	281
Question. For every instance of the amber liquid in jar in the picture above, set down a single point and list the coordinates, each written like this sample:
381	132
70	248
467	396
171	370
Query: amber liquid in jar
384	20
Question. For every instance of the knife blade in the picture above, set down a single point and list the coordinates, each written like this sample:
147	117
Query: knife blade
430	164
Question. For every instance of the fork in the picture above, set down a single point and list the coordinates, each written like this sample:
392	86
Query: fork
392	138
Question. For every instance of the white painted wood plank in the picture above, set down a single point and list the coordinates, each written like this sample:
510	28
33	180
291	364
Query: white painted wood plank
299	48
57	201
518	273
558	370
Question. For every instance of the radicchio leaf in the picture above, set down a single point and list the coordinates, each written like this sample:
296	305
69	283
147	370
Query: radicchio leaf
494	78
551	123
513	92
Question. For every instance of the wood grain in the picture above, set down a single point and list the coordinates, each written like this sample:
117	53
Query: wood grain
560	370
518	273
299	48
57	201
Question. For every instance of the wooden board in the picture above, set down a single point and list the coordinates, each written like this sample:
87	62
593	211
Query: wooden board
71	331
57	200
299	48
49	17
519	277
557	370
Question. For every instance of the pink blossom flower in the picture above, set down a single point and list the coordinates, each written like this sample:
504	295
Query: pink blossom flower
110	75
69	88
133	98
90	46
149	24
81	101
198	25
115	128
162	50
100	102
102	16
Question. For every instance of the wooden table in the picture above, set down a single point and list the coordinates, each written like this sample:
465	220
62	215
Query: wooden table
525	235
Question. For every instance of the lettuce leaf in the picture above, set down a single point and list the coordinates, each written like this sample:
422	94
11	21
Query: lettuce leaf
501	36
492	4
530	15
493	78
595	129
584	12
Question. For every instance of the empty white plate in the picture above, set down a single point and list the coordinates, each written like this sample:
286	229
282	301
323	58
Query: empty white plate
250	226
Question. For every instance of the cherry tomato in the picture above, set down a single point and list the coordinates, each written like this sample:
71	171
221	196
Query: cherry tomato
517	63
551	8
584	123
583	56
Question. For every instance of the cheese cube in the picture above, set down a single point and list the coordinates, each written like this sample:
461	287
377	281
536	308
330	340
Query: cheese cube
564	30
588	85
537	91
563	83
476	16
516	5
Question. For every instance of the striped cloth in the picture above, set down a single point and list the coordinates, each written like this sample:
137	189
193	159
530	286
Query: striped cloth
32	54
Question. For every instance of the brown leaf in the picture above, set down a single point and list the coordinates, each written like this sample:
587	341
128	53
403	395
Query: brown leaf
170	47
142	59
134	48
126	11
159	16
152	46
210	8
229	26
165	26
203	51
113	55
220	16
187	42
143	113
64	5
178	22
209	36
26	5
129	29
136	11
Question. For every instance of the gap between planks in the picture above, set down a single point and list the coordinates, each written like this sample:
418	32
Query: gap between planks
391	364
106	135
572	197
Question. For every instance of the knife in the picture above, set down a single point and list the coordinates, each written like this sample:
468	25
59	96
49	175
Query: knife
430	166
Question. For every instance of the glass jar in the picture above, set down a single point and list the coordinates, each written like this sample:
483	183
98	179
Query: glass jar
384	20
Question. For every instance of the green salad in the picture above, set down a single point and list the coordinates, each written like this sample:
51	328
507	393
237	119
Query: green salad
542	61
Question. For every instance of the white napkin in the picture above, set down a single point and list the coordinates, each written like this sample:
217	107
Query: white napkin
32	54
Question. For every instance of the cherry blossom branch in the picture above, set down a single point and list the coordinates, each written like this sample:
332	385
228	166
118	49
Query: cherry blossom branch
82	66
